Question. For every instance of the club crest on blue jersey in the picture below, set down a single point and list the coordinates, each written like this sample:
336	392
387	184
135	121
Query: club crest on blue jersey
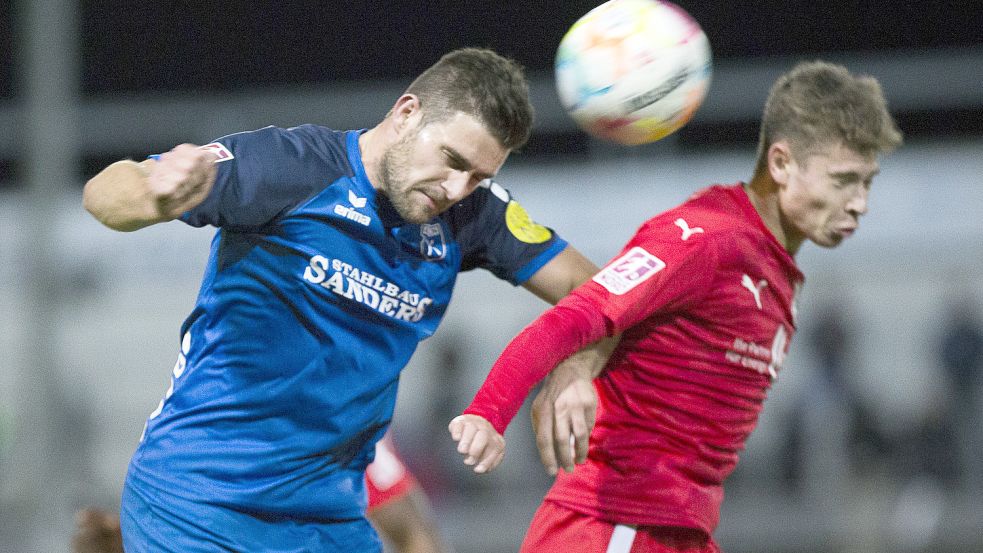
432	243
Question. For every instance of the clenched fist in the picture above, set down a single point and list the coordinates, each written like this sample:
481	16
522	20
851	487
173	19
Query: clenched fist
181	179
479	442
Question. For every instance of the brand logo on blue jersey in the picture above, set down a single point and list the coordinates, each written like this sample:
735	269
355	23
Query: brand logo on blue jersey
350	213
432	243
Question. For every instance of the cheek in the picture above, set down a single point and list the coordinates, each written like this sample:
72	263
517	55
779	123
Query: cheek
818	205
805	210
812	197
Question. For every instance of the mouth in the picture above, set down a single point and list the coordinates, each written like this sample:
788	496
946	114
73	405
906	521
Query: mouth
433	201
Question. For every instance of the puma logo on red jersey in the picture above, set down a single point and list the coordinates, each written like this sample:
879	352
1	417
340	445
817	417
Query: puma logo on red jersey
687	232
755	289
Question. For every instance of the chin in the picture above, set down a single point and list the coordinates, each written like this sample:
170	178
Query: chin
418	217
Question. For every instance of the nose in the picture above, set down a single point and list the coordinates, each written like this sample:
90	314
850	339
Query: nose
458	185
857	204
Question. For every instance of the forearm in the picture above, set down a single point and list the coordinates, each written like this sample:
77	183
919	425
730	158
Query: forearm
590	361
119	198
546	342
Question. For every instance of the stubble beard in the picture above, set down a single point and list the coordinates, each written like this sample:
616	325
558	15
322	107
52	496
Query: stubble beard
394	166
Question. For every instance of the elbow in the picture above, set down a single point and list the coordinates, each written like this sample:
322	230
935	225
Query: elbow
101	198
88	198
95	205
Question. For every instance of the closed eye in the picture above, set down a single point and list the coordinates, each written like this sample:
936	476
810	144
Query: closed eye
848	178
460	163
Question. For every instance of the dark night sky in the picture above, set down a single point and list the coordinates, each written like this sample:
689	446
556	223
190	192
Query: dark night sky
224	45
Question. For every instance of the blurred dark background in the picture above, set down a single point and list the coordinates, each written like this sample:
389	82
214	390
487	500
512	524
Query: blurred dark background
212	47
871	439
222	45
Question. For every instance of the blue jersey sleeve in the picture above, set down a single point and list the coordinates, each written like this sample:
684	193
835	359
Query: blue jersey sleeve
267	172
497	234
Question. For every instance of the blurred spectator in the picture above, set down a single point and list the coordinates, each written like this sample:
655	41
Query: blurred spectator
832	431
961	356
833	342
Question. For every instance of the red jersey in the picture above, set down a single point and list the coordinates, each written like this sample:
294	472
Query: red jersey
703	297
387	478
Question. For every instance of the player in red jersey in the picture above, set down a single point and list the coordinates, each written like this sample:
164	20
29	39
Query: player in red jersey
398	509
703	297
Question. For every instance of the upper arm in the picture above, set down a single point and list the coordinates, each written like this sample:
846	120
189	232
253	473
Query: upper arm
655	272
497	234
568	270
265	173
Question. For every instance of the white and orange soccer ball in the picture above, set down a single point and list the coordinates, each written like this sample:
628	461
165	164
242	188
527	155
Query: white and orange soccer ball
633	71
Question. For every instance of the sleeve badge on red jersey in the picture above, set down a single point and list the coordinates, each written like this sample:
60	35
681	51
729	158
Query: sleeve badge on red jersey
219	150
629	270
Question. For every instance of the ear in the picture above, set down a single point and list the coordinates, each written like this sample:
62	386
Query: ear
405	113
780	162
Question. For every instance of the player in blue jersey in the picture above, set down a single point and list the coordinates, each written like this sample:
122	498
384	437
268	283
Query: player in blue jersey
336	254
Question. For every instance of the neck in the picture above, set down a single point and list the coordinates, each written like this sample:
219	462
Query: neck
763	193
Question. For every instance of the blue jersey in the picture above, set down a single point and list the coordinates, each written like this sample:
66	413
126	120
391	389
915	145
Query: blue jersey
315	296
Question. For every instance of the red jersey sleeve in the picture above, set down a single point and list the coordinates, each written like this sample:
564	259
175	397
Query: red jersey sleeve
660	270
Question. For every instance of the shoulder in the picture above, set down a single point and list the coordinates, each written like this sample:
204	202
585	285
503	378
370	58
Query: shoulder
728	221
704	225
287	151
301	140
715	211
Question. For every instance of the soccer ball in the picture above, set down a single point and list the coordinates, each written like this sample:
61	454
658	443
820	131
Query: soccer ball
633	71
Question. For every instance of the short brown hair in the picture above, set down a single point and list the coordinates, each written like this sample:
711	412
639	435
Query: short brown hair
481	83
818	103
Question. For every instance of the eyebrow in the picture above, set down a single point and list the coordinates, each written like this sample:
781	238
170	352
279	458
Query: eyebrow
456	157
854	174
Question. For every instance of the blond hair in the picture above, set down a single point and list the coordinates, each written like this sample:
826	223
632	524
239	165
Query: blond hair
817	104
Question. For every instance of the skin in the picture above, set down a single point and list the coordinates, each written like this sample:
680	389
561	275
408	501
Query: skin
423	169
97	531
820	198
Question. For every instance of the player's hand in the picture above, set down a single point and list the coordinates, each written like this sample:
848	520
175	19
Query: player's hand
181	179
479	442
96	531
563	415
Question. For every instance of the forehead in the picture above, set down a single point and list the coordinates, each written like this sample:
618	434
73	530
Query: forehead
465	136
837	158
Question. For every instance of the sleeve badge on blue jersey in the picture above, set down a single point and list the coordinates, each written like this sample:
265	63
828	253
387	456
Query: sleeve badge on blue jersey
524	228
629	270
219	150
